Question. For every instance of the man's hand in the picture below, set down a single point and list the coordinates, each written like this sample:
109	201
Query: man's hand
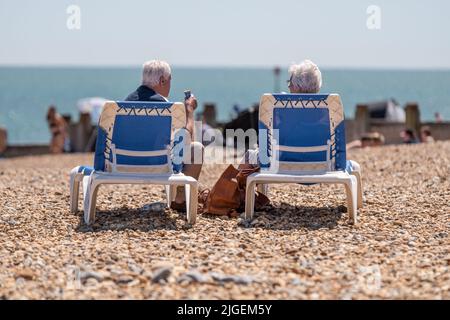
191	105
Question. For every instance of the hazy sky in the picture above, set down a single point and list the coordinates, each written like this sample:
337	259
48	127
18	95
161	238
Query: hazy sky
413	34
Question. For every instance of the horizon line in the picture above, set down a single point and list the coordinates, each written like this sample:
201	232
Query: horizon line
218	66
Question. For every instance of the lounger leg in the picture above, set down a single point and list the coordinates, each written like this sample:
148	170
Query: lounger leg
249	199
356	171
359	184
351	189
191	191
263	188
90	188
171	192
75	179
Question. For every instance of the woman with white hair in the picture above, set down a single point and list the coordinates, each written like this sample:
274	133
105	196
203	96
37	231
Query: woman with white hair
156	83
304	78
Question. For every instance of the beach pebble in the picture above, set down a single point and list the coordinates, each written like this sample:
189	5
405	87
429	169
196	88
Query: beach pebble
231	278
26	274
193	276
85	275
161	273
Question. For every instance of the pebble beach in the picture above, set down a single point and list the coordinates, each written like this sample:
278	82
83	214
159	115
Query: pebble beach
302	246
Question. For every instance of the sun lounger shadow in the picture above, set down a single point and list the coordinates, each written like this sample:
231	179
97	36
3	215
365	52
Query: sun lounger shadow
285	216
136	219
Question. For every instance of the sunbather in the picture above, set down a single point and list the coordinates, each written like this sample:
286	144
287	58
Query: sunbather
58	130
304	78
425	135
156	83
368	139
408	136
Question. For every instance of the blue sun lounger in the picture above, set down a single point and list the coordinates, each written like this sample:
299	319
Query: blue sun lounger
302	140
136	144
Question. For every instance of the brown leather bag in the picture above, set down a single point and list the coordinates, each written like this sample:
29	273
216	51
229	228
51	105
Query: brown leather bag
227	197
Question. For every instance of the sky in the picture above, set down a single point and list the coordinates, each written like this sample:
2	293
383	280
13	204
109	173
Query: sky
412	34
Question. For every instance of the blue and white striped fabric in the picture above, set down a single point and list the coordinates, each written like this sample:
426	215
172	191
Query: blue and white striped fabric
138	137
310	132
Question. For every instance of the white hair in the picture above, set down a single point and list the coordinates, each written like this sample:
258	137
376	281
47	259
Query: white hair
306	77
153	71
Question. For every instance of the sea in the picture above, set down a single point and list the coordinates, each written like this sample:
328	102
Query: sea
26	92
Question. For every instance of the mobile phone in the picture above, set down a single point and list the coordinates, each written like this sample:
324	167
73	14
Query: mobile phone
187	94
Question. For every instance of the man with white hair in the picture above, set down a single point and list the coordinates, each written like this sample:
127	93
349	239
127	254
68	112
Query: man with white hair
304	78
156	82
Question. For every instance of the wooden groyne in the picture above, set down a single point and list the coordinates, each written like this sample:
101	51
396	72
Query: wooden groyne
82	134
361	123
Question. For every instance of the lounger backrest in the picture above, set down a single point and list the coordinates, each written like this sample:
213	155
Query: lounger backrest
139	137
310	132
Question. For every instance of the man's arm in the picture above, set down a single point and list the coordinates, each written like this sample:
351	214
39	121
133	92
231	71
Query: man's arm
191	105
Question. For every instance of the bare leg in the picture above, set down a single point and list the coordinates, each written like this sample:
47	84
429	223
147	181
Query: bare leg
191	168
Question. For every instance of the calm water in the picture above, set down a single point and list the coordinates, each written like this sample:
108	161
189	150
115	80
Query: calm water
26	93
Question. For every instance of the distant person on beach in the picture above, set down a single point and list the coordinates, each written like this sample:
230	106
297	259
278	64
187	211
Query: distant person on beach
370	139
155	86
3	139
58	130
408	136
304	78
438	117
425	135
